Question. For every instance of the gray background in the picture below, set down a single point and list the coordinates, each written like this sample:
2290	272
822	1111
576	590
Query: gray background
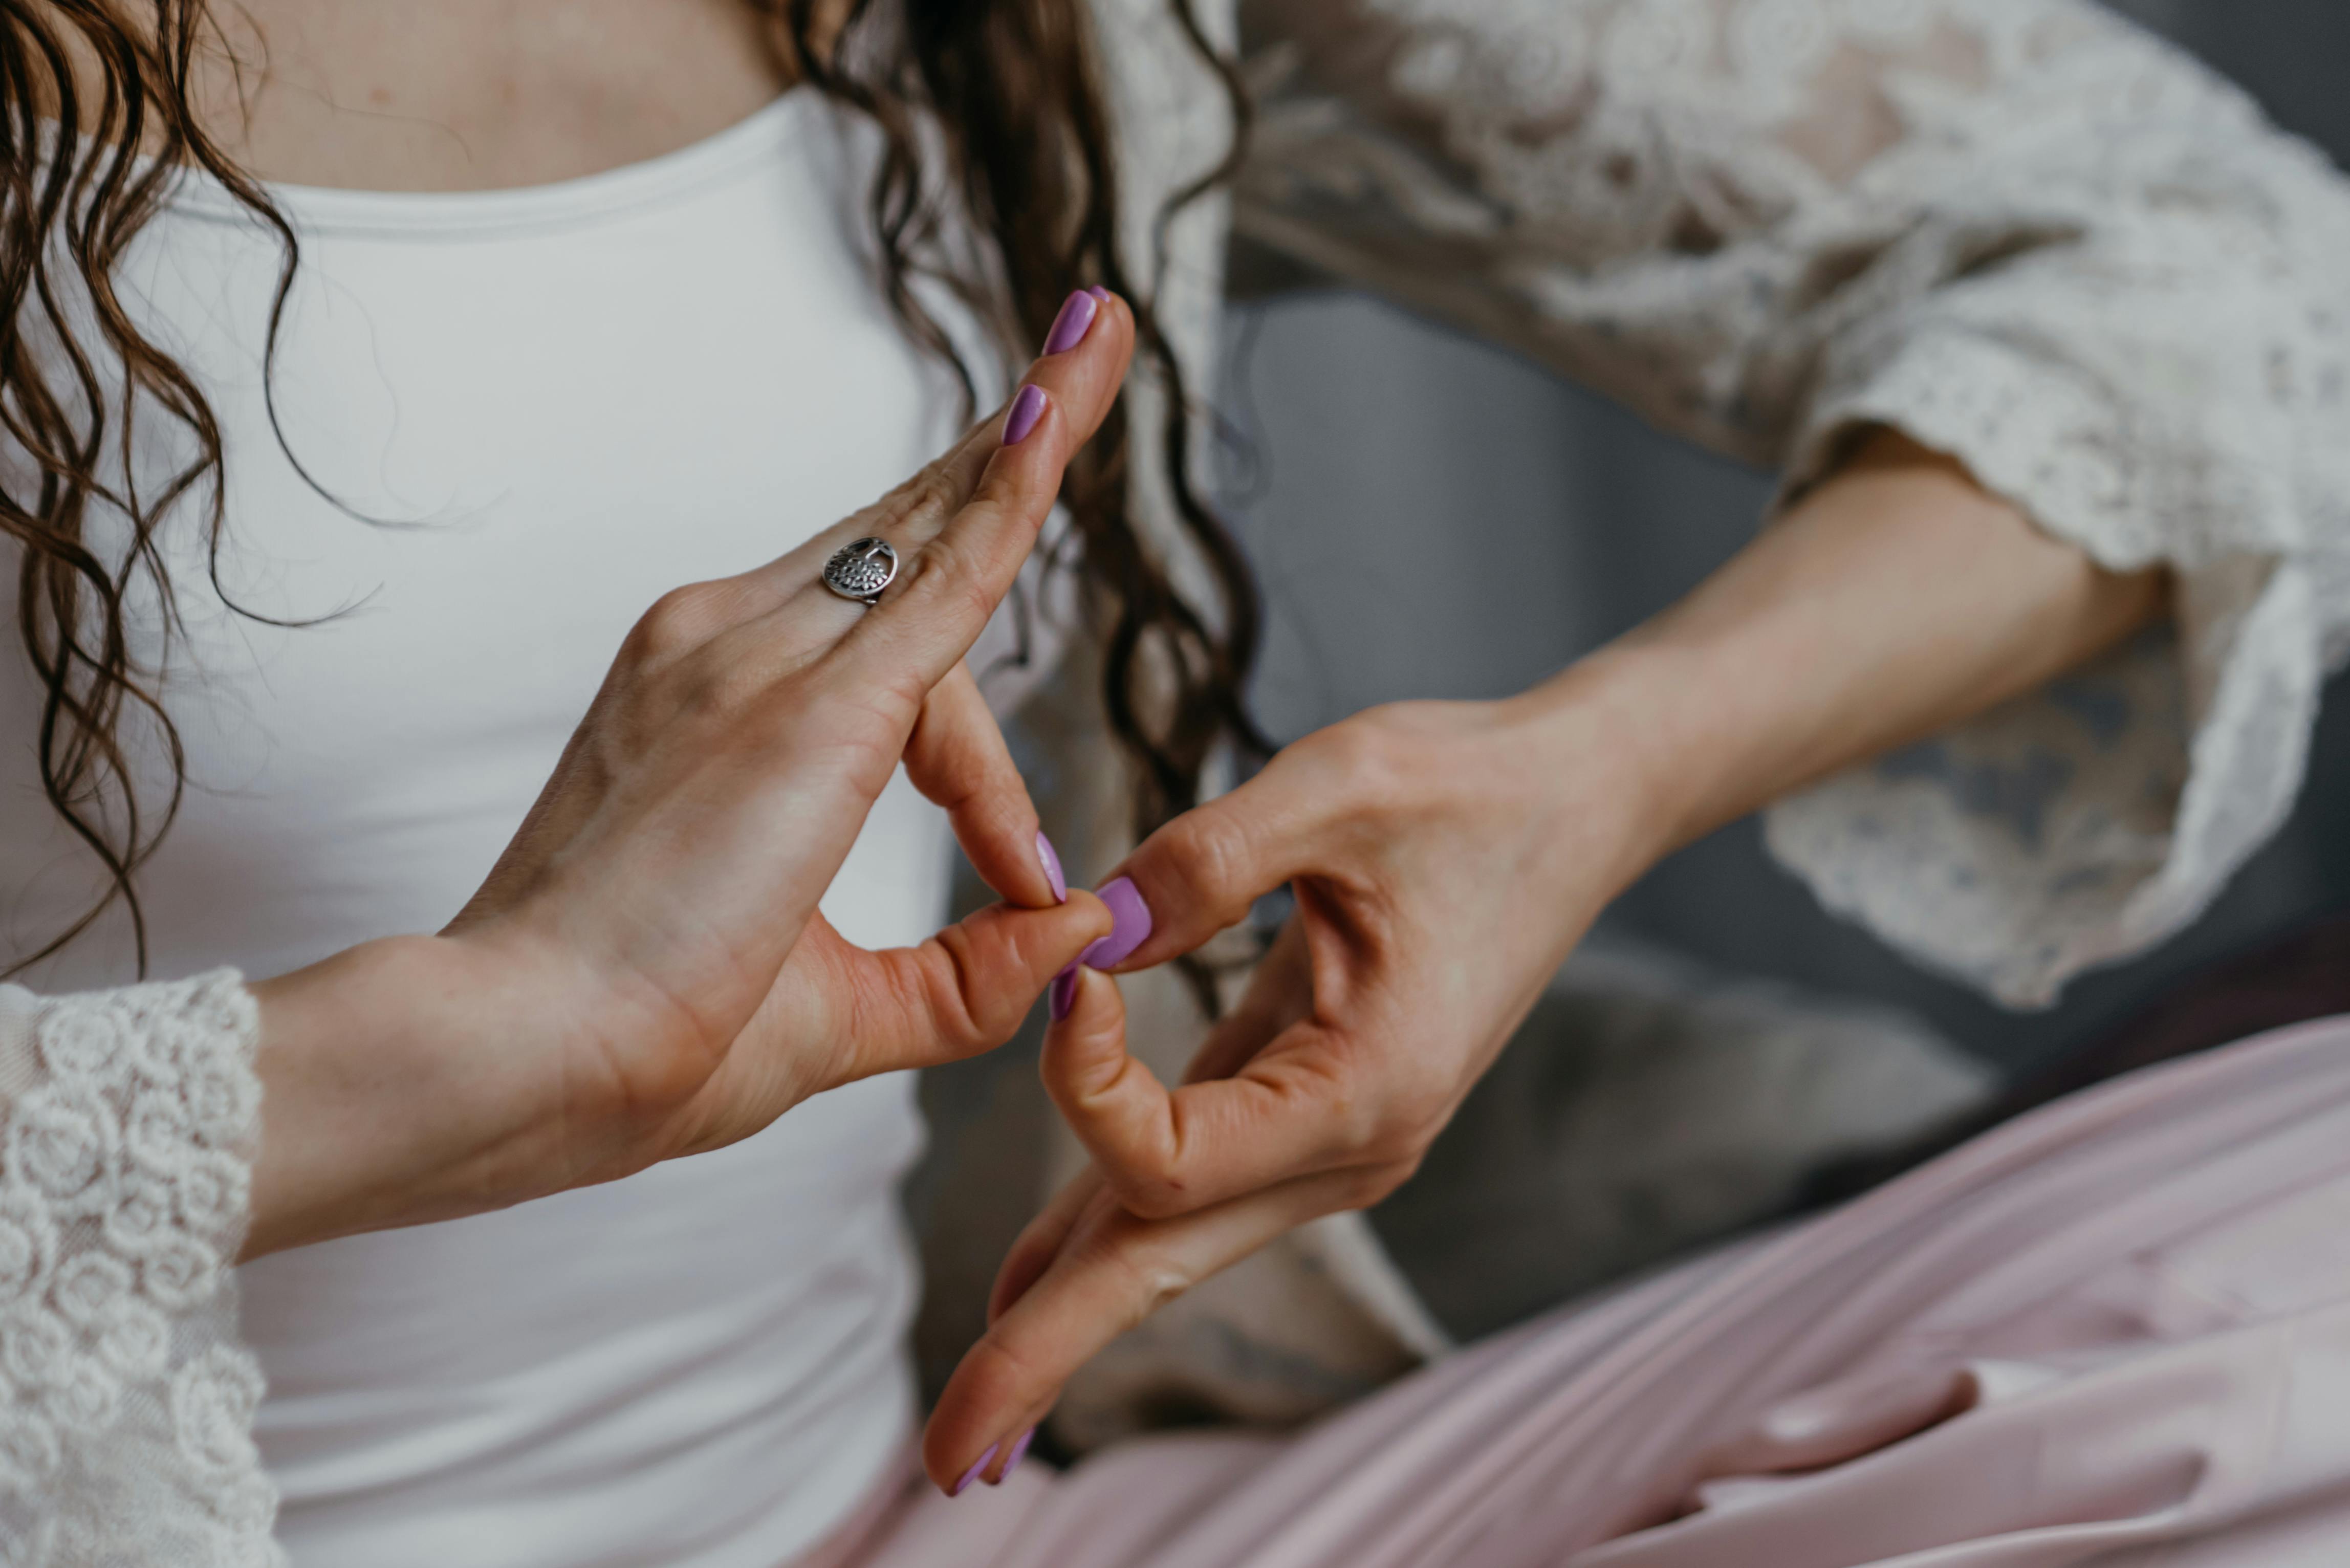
1369	434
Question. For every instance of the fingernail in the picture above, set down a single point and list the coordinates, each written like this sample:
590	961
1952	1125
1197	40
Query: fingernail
1026	410
972	1474
1131	929
1069	326
1052	863
1064	995
1019	1452
1098	292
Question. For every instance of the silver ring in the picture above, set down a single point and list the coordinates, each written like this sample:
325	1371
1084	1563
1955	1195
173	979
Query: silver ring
861	570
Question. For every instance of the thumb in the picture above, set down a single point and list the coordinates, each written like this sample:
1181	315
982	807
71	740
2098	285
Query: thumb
963	991
1201	872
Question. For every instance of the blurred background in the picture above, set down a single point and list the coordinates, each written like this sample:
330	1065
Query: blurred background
1367	433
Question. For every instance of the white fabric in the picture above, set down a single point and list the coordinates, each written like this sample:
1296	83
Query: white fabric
127	1127
579	395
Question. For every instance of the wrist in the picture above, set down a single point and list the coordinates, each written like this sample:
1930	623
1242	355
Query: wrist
1895	598
398	1088
1619	782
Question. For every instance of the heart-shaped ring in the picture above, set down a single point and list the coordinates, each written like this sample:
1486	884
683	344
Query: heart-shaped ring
861	570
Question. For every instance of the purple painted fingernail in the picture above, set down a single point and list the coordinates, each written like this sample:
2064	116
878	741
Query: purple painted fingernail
1019	1452
972	1474
1052	863
1064	995
1098	292
1069	326
1026	410
1131	932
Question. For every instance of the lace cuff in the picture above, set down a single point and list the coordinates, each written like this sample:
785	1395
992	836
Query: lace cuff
2104	812
128	1123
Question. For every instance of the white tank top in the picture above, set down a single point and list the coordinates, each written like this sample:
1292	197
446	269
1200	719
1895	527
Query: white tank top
574	397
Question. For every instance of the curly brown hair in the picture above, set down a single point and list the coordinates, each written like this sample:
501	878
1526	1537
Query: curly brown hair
100	126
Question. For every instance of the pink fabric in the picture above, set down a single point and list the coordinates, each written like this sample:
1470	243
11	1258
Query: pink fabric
2115	1330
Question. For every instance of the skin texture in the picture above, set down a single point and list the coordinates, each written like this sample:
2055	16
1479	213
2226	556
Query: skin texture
1446	857
466	95
645	974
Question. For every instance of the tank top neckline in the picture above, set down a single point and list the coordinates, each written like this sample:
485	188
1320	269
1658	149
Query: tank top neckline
623	191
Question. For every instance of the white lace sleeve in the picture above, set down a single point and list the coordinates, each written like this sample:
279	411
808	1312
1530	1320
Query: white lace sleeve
127	1124
2021	232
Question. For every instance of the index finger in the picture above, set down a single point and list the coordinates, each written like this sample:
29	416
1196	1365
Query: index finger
1292	1110
1113	1271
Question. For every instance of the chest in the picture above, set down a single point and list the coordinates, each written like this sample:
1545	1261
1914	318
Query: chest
472	95
494	442
497	427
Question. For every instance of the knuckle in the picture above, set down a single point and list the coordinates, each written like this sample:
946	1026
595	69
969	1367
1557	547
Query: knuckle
1003	1370
1212	853
954	584
1329	1084
1005	494
1146	1280
959	999
988	1014
1369	761
680	619
926	501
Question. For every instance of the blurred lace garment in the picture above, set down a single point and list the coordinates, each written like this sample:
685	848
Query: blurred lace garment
2021	232
128	1120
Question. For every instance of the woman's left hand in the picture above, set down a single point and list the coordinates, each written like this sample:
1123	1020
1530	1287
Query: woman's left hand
1445	856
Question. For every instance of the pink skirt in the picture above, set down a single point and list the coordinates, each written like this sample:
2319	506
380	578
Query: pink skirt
2116	1329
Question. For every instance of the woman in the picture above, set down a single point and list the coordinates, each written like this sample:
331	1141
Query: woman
2012	231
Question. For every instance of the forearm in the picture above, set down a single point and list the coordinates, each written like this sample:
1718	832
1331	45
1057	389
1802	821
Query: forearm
402	1082
1896	599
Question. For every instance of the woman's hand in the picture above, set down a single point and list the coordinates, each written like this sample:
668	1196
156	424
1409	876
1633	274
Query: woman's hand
645	974
1445	858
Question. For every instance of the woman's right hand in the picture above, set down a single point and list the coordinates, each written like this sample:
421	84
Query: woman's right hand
645	974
